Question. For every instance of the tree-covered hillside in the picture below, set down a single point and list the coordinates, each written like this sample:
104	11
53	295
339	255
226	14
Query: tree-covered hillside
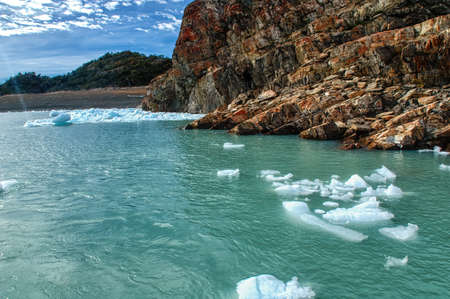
111	70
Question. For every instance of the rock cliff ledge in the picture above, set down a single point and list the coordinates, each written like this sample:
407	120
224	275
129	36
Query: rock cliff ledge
374	73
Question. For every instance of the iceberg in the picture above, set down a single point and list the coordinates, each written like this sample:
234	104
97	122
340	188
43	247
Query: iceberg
376	178
390	192
444	167
402	233
393	192
5	185
228	173
356	182
269	287
62	119
395	262
385	172
344	197
319	211
301	211
294	190
264	173
272	178
331	204
95	115
368	211
228	145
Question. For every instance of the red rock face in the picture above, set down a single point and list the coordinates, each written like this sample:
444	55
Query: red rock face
333	69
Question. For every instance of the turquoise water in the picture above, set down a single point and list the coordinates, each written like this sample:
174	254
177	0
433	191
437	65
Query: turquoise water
136	210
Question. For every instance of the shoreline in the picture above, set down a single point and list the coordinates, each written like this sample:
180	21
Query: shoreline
111	97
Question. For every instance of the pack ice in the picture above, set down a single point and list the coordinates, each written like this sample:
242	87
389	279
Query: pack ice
267	286
368	211
402	233
94	115
301	212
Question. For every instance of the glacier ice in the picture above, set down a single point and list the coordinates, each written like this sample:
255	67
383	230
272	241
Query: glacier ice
264	173
267	286
384	171
294	190
301	211
229	145
344	197
393	192
444	167
319	211
273	178
228	173
331	204
402	233
368	211
5	185
62	119
376	178
357	182
395	262
95	115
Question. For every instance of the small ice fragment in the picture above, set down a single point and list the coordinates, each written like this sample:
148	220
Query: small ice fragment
425	151
272	178
444	167
393	192
368	211
319	211
228	172
229	145
369	192
376	178
53	113
324	192
61	119
395	262
294	190
384	171
269	287
5	185
265	173
301	211
331	204
335	176
402	233
344	197
163	225
357	182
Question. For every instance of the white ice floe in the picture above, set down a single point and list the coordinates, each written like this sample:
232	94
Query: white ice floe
95	115
229	145
357	182
331	204
269	287
273	178
62	119
5	185
344	197
365	212
319	211
294	190
402	233
228	173
301	212
384	171
437	150
390	192
376	178
163	225
444	167
264	173
395	262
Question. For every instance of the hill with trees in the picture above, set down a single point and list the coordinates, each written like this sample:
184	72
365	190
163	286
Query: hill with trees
123	69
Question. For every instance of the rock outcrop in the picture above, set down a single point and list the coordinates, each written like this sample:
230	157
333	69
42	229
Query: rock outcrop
373	73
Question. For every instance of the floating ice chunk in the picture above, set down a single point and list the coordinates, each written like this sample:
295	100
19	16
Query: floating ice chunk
369	192
112	115
301	211
384	171
344	197
265	173
5	185
368	211
438	151
376	178
53	113
272	178
228	173
444	167
335	176
331	204
269	287
163	225
395	262
319	211
324	192
402	233
228	145
294	190
62	119
393	192
357	182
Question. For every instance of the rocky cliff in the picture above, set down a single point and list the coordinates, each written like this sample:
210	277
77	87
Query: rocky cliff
374	73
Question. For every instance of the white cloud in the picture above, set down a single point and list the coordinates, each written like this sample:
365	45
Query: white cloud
173	25
111	5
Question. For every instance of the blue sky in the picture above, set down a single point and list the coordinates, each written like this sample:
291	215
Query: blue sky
55	36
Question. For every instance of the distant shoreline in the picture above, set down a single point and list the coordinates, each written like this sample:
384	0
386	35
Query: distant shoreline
111	97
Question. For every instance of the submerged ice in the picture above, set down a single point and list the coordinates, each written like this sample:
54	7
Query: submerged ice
395	262
402	233
94	115
269	287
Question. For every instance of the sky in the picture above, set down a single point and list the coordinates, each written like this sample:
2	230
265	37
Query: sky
53	37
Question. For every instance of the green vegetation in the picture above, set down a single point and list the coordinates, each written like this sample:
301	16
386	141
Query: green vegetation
111	70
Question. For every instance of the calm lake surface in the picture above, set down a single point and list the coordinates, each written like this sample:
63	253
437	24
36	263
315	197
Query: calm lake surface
136	210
